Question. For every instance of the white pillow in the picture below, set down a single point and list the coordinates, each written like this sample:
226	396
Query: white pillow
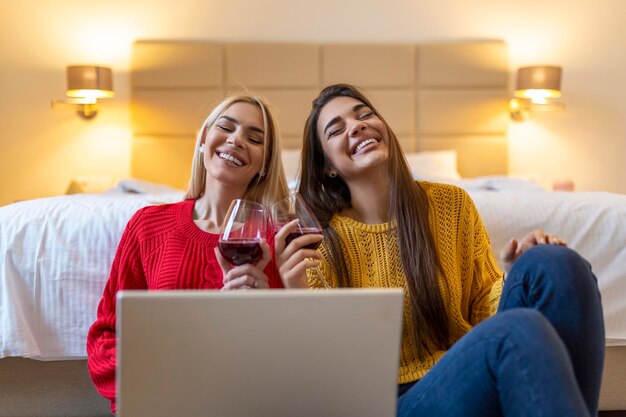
433	165
291	163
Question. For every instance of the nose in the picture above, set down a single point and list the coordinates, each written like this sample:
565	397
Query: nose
357	127
235	139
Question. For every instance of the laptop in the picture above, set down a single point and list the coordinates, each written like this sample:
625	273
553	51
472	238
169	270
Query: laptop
256	353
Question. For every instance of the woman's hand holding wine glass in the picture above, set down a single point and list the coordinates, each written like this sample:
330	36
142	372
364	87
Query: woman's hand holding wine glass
242	251
298	234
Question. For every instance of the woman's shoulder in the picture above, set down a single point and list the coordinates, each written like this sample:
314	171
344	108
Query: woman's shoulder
448	198
437	190
158	213
165	207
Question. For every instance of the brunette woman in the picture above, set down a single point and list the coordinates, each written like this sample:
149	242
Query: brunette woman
540	354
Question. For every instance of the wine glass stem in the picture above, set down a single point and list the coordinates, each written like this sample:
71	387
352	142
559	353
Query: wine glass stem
320	276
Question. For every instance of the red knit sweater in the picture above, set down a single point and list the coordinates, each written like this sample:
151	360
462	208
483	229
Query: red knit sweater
161	249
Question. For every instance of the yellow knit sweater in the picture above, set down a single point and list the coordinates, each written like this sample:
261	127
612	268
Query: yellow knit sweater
473	276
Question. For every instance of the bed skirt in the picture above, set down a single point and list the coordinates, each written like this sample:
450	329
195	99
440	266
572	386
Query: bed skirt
48	388
63	388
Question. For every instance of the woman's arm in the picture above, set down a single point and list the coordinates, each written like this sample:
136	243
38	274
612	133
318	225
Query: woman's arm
126	273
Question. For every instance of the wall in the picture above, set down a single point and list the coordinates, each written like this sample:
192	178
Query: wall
42	149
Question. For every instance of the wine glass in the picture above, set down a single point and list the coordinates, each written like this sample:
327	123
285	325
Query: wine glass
242	232
291	208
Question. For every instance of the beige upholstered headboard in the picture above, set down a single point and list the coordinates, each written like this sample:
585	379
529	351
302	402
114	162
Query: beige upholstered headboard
435	96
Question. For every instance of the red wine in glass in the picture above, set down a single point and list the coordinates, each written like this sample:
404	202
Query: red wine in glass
305	231
294	207
242	231
241	251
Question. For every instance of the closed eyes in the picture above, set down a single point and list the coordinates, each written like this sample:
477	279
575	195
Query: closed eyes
366	115
362	116
361	111
333	132
225	128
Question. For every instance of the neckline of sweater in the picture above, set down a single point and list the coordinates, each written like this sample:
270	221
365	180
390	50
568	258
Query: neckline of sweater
185	220
370	228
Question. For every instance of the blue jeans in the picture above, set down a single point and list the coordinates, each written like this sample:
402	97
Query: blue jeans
541	355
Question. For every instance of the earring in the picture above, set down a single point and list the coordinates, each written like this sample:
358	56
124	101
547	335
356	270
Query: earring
201	148
332	173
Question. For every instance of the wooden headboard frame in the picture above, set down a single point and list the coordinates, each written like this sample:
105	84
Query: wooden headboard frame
435	96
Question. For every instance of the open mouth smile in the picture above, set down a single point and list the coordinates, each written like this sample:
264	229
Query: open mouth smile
228	157
363	144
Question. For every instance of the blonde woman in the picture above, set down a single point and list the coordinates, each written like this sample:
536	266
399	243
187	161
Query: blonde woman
174	246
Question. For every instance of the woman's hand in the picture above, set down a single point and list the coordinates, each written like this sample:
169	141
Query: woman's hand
514	249
293	260
247	275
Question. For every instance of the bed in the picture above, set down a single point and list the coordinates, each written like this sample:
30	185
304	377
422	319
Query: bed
56	254
447	104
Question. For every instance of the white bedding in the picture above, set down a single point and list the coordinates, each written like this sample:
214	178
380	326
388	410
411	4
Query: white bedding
55	258
592	223
56	254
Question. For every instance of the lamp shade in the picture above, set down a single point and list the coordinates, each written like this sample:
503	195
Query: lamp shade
539	83
88	81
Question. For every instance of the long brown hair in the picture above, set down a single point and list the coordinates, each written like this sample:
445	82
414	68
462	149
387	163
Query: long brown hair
266	188
408	207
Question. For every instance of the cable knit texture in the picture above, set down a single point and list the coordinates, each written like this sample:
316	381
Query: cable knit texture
161	249
473	278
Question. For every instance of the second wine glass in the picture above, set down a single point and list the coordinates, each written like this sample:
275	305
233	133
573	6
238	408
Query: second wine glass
291	208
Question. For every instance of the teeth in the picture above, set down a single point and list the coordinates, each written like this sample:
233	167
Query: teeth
230	158
364	143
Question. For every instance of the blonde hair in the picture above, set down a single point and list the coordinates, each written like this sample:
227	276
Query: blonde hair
267	188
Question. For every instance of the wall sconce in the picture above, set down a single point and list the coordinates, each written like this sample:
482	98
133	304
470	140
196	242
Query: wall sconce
85	85
538	89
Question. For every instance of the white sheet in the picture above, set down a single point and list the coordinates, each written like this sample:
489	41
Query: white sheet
56	254
593	223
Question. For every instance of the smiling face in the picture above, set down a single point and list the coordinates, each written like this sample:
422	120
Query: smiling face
353	137
234	145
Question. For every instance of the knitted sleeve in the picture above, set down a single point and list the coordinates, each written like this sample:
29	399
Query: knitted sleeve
487	275
126	273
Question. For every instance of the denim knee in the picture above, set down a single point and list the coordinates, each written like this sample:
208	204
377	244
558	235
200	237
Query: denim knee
559	262
528	338
524	326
